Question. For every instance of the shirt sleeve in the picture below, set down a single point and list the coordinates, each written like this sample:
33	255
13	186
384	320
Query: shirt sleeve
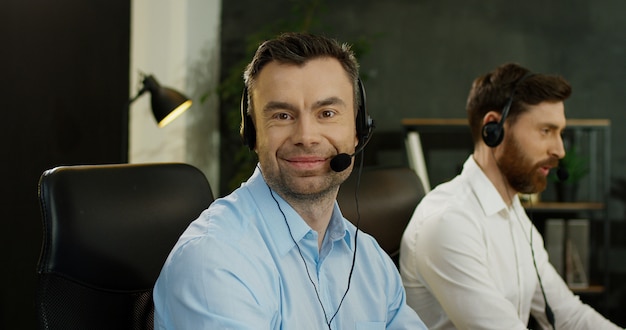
455	268
400	315
236	297
569	312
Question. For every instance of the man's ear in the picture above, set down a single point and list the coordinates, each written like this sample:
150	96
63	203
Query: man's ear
491	116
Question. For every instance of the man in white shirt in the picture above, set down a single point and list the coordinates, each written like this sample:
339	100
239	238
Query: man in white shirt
470	257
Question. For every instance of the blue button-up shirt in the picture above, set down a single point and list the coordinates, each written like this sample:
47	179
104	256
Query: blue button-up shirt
237	267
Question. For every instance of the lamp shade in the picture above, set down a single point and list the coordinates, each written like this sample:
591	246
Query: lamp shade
167	104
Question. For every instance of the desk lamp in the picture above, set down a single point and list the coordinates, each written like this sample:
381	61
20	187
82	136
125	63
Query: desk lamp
167	104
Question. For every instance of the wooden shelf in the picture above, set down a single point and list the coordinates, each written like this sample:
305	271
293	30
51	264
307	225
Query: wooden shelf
418	122
588	290
563	207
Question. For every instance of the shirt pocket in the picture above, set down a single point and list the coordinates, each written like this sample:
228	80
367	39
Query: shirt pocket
370	326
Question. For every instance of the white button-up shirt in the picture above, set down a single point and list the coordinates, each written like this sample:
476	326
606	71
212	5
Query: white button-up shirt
466	262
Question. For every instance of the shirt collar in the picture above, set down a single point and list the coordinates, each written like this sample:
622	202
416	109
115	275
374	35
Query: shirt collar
490	200
275	220
337	228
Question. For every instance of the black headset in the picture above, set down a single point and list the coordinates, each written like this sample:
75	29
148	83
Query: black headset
364	123
493	131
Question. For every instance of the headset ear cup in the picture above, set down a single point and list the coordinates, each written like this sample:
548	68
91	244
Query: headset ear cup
247	130
364	127
360	127
493	133
364	123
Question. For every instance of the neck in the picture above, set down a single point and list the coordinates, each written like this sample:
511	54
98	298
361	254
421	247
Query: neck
315	212
486	159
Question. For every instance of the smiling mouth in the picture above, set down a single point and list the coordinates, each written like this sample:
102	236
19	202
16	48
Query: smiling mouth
306	163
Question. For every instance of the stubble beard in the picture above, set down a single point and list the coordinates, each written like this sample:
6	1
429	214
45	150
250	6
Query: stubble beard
286	185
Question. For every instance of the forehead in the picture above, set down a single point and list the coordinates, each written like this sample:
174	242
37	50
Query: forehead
316	72
544	113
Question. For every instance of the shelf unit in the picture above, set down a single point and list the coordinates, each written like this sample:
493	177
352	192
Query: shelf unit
592	138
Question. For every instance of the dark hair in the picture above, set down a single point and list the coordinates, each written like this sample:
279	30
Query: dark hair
298	48
491	92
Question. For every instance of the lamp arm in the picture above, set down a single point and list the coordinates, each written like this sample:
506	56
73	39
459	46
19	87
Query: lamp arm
141	92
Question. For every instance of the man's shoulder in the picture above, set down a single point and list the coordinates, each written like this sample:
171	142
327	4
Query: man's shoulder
220	238
454	194
227	225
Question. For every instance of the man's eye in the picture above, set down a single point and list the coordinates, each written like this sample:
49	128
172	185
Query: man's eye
282	116
328	114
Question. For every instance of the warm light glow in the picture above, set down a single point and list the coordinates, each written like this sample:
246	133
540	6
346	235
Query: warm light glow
175	113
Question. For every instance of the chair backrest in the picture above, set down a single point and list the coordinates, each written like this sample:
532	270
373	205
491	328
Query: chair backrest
387	198
107	232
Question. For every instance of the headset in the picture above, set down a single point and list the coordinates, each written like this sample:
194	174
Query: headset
364	123
493	131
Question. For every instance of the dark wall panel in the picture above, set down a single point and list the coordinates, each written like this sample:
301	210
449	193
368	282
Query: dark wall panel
64	86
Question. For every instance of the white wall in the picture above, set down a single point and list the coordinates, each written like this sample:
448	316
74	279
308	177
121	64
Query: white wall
178	42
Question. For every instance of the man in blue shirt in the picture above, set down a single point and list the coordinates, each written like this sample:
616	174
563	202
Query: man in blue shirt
277	252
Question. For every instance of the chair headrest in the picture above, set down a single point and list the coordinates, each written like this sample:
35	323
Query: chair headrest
387	198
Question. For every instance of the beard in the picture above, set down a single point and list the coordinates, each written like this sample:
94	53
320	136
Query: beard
519	171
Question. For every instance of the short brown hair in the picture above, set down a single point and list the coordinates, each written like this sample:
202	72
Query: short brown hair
491	92
298	48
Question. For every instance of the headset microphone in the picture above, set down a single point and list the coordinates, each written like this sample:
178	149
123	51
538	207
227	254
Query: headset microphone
562	174
342	161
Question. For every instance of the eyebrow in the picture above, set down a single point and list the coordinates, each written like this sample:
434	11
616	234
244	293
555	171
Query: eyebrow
329	101
273	105
550	125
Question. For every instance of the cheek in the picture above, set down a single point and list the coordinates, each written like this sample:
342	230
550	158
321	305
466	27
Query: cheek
268	138
525	146
535	152
265	146
351	134
346	137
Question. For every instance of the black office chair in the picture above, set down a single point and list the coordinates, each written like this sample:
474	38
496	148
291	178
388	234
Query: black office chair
107	232
387	198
